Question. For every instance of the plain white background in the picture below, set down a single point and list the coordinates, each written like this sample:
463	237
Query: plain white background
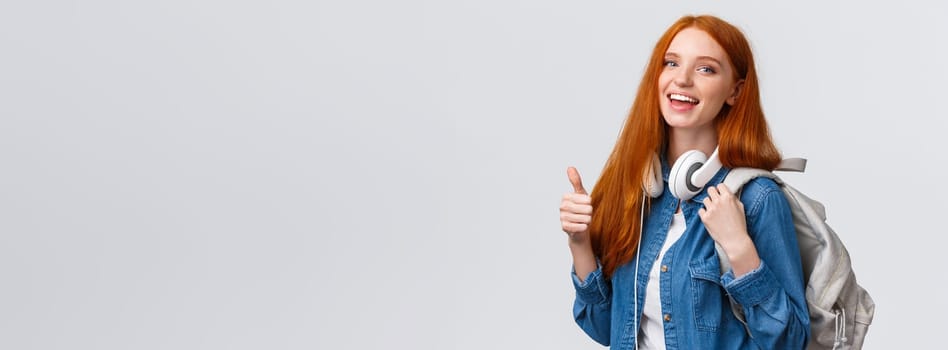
368	174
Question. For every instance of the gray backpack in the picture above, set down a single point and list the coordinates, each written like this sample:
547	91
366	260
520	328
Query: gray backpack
840	309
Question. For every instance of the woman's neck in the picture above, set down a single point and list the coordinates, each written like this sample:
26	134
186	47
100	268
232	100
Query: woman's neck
681	141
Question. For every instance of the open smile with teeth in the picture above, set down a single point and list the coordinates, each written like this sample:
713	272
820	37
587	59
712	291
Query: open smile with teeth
683	98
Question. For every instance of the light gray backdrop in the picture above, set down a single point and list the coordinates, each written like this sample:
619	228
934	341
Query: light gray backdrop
385	174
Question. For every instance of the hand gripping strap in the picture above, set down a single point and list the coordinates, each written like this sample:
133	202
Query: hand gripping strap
735	180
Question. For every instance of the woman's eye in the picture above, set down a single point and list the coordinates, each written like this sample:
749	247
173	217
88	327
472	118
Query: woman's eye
706	69
671	64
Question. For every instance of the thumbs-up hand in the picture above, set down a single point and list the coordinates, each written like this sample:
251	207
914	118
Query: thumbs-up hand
576	209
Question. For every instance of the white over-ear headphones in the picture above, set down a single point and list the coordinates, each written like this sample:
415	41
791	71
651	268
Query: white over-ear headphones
691	172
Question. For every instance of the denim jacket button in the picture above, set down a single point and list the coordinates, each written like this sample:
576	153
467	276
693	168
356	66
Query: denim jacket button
664	268
668	317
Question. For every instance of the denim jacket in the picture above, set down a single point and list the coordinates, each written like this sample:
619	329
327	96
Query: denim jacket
694	293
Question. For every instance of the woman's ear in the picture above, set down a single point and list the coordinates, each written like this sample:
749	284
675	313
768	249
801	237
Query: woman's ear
737	91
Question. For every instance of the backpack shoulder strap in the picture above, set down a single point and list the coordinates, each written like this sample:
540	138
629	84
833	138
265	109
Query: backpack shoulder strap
792	164
738	177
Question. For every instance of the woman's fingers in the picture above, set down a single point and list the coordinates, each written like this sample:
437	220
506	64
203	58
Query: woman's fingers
575	213
575	218
577	198
576	208
713	193
574	228
723	191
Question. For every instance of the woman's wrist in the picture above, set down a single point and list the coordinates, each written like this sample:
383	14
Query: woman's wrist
579	243
584	260
743	256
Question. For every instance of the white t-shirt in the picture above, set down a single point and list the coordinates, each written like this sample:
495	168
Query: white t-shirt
652	329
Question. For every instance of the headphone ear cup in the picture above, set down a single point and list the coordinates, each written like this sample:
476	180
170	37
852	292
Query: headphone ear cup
679	179
652	183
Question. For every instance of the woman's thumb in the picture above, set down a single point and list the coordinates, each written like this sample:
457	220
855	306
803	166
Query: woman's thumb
574	179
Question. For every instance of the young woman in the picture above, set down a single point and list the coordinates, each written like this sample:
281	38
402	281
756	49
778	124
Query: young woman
645	268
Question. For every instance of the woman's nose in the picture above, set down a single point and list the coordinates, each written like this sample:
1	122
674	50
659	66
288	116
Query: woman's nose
683	77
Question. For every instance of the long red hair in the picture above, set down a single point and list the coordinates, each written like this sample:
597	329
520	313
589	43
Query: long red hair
743	141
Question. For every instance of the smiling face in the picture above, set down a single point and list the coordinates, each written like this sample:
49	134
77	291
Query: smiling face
696	80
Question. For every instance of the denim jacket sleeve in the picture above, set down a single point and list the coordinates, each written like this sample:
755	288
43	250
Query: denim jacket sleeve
772	295
592	308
